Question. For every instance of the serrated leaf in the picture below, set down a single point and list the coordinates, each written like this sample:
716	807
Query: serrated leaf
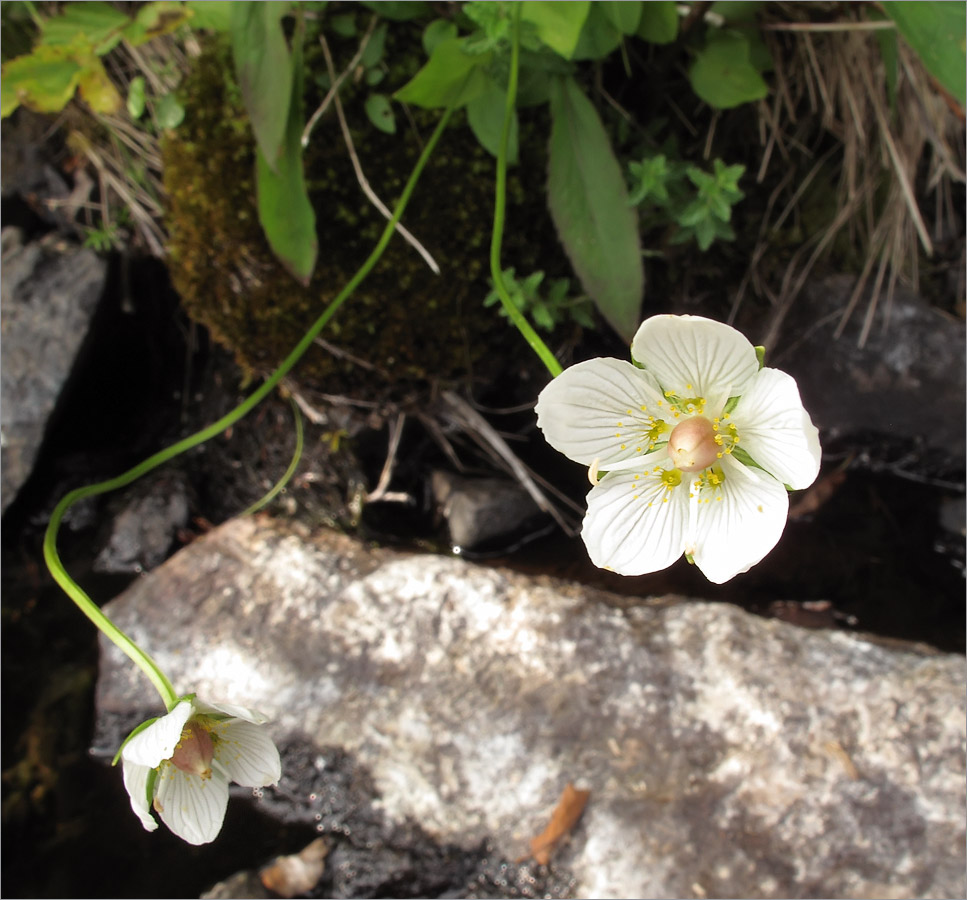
722	74
96	89
380	112
589	207
624	16
558	24
659	22
486	117
935	31
264	67
285	213
96	24
449	77
43	81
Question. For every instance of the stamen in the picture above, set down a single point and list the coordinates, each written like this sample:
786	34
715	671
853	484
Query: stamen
593	471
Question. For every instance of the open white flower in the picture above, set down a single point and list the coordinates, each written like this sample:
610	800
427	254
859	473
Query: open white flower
697	443
181	765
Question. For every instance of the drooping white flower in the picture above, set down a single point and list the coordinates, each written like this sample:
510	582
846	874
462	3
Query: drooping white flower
181	764
696	444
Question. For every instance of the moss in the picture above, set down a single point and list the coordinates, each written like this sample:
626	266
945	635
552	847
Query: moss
403	318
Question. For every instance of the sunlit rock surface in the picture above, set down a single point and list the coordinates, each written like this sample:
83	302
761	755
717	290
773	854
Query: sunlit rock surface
726	755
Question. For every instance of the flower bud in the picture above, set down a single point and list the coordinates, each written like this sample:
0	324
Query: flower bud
194	751
692	445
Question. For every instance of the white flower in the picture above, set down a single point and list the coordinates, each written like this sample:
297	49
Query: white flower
181	765
697	445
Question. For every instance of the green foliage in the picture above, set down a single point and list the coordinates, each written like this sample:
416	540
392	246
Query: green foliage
66	58
547	312
936	32
698	202
589	206
452	76
723	73
659	22
558	24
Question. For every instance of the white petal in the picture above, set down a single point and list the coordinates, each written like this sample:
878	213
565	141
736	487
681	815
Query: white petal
776	431
236	712
593	410
635	526
136	784
158	740
695	357
729	536
191	806
248	754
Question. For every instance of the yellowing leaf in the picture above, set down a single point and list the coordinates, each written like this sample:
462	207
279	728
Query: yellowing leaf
97	90
43	81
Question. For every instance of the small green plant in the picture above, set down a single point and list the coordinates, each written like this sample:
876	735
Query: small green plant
698	202
547	311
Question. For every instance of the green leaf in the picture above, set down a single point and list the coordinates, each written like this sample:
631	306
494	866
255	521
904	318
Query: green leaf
373	54
96	24
438	31
284	209
735	11
380	112
589	207
136	95
722	74
449	77
264	68
486	116
558	24
169	113
659	22
343	25
935	31
598	37
154	20
212	15
43	81
399	10
624	16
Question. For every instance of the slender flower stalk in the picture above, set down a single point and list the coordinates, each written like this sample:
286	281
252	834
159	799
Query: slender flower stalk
690	450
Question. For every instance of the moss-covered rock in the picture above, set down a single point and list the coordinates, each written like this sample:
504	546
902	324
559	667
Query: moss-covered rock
403	319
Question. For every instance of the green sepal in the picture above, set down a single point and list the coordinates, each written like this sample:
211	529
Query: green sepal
137	730
730	405
688	558
788	487
760	354
150	783
743	457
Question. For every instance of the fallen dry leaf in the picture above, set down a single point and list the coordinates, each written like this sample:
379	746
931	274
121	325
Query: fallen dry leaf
289	876
563	819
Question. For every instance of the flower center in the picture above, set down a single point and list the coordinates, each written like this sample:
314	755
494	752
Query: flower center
692	444
193	753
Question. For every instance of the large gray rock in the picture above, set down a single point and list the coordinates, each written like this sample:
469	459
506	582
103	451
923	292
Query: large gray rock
50	291
726	755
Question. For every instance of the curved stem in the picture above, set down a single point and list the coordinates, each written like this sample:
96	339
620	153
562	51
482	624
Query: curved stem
500	206
290	471
52	558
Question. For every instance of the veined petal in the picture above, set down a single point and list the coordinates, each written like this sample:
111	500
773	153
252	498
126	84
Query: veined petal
247	753
236	712
695	357
635	524
158	740
730	535
593	411
191	806
776	431
136	784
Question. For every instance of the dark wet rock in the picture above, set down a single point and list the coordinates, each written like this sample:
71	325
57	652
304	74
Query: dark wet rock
902	393
483	511
726	755
50	291
153	512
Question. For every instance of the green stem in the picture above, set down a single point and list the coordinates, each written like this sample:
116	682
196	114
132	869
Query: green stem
51	557
500	207
289	472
